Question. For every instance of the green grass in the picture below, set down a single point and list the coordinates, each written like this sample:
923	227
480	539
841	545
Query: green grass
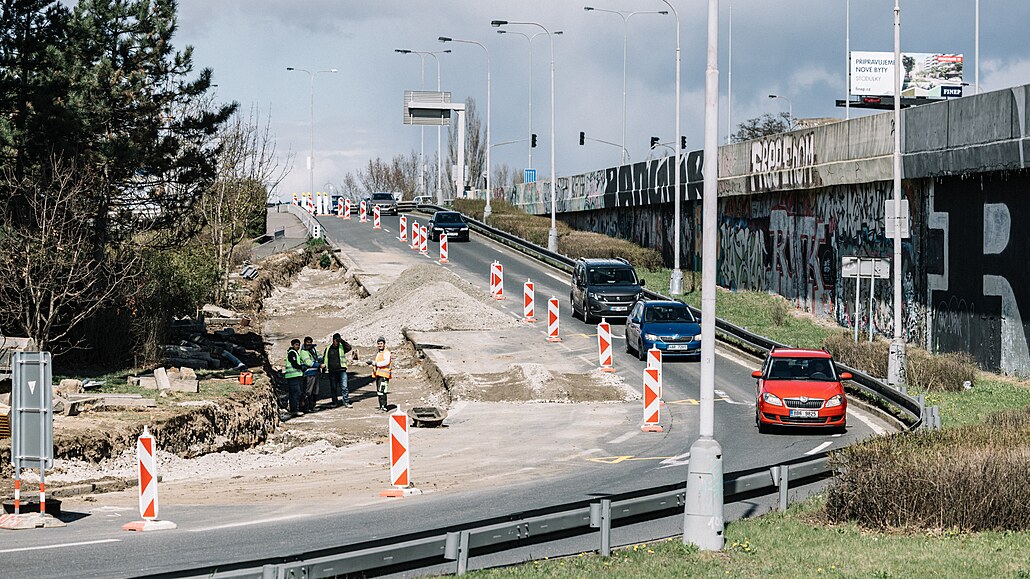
991	394
799	544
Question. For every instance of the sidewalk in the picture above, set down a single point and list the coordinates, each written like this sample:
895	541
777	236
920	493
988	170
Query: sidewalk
294	232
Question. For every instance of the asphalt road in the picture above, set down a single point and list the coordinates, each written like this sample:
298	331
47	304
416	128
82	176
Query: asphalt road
215	535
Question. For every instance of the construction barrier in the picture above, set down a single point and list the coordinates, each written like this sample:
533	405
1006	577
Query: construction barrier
423	242
654	360
147	460
295	201
552	320
528	299
339	208
346	208
400	458
604	346
363	212
414	234
652	420
497	280
403	236
443	248
376	223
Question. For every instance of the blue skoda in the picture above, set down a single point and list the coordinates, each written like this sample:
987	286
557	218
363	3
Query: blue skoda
667	325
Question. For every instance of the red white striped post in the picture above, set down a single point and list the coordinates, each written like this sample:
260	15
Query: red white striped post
443	248
403	236
423	242
654	360
552	320
414	234
400	458
339	208
376	224
604	346
363	212
17	492
528	302
147	461
652	418
295	202
346	208
497	280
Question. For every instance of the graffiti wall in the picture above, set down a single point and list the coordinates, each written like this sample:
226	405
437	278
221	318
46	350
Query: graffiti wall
978	279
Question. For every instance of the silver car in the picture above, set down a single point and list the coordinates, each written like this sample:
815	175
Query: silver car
386	201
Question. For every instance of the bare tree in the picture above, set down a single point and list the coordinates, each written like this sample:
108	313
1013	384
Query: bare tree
475	147
763	126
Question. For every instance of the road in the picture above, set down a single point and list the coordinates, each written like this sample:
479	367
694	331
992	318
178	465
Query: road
215	535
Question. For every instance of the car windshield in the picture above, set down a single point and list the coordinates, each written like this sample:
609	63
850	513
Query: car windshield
612	276
816	369
668	314
449	218
382	197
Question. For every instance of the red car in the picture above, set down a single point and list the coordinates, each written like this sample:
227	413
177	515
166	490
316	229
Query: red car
798	387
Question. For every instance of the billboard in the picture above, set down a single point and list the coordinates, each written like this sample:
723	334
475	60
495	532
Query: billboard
927	75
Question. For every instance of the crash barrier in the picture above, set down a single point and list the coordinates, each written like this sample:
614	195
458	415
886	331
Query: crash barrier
309	221
402	236
423	240
376	223
497	281
456	545
604	346
443	248
552	320
528	302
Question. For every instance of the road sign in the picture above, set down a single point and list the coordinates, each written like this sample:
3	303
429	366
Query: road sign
865	267
888	218
529	175
32	419
427	108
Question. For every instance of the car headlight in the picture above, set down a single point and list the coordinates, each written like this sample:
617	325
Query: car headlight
464	228
651	337
697	338
834	401
437	229
770	398
594	296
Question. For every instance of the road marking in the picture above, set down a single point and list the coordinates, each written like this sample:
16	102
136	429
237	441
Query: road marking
689	401
819	448
565	281
248	523
726	397
624	458
59	545
624	437
680	460
876	428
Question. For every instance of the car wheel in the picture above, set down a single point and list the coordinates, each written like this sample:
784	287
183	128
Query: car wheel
629	344
641	352
762	428
575	312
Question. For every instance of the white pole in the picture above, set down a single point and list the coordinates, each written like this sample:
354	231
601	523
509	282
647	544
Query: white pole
552	235
847	60
676	277
977	42
422	136
729	79
896	359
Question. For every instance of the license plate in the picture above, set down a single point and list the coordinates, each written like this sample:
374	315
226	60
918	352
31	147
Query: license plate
678	346
619	308
804	414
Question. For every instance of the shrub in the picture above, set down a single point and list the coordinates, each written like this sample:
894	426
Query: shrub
778	312
924	371
971	478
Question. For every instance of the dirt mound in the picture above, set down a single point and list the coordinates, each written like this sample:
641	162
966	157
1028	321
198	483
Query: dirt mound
424	298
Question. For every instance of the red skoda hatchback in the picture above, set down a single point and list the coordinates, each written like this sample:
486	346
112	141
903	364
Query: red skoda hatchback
799	387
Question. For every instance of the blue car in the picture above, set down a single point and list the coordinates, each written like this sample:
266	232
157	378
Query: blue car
669	326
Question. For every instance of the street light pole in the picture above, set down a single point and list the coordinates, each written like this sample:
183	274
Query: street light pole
625	48
529	38
847	60
311	159
676	278
790	110
422	161
896	357
489	188
552	234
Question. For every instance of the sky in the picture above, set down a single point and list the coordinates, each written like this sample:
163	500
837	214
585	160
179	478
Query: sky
792	48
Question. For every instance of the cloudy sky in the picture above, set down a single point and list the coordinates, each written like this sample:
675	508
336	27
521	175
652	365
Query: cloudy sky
793	48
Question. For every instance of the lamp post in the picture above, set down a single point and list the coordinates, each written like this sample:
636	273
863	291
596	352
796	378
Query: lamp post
896	357
625	46
529	38
976	41
489	189
676	278
422	160
552	235
790	110
311	159
847	60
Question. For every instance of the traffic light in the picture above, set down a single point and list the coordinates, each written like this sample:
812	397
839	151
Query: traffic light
683	142
532	141
654	142
582	138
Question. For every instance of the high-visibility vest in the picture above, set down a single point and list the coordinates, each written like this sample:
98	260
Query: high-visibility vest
308	360
383	365
343	357
292	372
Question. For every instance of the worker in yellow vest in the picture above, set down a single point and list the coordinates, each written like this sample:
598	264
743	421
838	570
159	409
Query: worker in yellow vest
294	374
382	366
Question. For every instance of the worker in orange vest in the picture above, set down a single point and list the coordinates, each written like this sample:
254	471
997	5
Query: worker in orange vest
382	366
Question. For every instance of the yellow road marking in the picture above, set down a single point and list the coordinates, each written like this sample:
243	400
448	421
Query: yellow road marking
618	459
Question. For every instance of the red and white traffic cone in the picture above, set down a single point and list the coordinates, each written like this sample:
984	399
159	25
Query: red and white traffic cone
652	419
403	236
654	360
528	302
146	452
497	281
363	212
346	208
443	248
604	346
552	320
400	458
376	224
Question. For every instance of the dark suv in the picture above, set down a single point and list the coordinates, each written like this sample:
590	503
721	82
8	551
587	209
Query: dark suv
604	288
386	201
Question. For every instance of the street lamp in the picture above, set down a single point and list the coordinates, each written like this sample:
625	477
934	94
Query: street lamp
489	189
529	38
790	110
422	161
552	235
625	45
676	278
311	159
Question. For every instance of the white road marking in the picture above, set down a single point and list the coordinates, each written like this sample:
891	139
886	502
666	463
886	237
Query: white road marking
726	397
565	281
819	448
678	460
624	437
59	545
248	523
876	428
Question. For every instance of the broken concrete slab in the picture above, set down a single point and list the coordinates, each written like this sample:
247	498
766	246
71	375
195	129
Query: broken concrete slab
191	386
163	383
68	386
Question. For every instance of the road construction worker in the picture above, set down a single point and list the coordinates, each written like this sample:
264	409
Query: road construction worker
294	374
311	361
382	366
334	363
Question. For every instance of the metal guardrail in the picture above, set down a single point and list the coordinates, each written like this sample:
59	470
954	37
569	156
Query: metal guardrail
440	546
